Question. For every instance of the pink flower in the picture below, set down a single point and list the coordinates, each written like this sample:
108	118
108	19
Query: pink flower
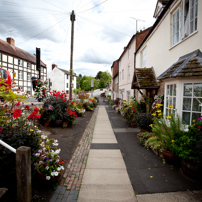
1	129
199	127
199	118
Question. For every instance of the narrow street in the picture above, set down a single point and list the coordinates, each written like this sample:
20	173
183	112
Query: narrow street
115	167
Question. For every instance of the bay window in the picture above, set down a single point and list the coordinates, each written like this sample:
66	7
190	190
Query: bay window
192	102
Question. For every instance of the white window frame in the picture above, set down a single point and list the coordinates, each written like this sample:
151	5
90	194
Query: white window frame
28	76
19	62
192	97
144	57
187	25
128	95
170	98
129	73
20	75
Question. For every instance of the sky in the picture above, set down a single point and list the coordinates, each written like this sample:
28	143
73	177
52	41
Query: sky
101	30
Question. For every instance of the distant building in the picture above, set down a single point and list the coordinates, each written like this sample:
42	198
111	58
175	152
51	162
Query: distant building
59	79
22	63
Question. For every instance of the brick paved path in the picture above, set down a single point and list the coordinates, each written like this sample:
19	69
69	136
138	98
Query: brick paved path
73	175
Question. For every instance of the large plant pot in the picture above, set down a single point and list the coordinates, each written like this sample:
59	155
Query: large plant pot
43	177
191	168
168	156
58	123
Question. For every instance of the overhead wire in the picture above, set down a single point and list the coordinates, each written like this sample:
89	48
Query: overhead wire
55	5
101	25
92	7
88	43
42	32
85	5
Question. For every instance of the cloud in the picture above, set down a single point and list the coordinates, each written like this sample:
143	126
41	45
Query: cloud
99	35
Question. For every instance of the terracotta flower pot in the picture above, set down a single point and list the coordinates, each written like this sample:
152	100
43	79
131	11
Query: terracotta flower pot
58	123
43	177
168	156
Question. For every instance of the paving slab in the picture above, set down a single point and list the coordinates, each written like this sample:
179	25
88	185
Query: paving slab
105	136
168	197
106	193
104	140
105	176
122	130
106	162
104	153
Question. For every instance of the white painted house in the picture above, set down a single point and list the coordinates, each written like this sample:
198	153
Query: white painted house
173	49
59	79
126	65
22	64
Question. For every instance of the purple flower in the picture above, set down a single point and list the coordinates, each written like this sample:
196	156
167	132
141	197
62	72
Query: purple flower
50	107
199	118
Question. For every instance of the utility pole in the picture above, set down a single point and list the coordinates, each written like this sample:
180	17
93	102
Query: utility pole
72	18
137	22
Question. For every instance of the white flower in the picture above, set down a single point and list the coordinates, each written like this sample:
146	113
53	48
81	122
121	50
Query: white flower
59	168
47	168
40	151
43	137
37	154
57	160
40	162
55	144
53	173
62	168
56	173
48	177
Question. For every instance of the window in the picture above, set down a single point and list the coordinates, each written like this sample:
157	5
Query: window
184	20
29	65
0	57
129	52
29	90
176	27
20	75
21	88
67	92
128	73
20	62
67	76
192	102
143	55
170	98
28	76
67	85
128	95
123	74
72	85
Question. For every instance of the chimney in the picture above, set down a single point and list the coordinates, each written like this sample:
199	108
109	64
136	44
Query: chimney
53	66
11	41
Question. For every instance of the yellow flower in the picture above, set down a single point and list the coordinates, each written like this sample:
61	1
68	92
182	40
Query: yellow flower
161	105
168	117
124	101
153	114
31	130
194	121
151	125
159	111
170	105
151	176
173	140
160	114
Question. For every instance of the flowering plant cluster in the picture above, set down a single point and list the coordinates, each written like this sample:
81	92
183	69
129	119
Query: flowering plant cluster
41	90
157	106
59	94
33	115
47	160
69	116
77	107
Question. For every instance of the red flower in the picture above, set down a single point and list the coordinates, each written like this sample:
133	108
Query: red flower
63	99
17	104
17	113
133	123
153	135
56	97
199	127
1	129
36	110
27	107
32	103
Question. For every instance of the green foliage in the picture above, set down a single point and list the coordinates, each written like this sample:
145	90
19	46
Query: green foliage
165	129
154	144
40	92
53	109
17	133
142	137
186	144
144	120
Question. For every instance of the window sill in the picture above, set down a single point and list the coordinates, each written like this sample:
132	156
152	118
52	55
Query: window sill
184	39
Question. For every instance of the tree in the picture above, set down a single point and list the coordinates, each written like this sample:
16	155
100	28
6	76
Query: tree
98	76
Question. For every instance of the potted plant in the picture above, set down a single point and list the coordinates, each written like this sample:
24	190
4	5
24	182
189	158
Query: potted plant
187	146
69	117
47	162
53	110
143	121
165	129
